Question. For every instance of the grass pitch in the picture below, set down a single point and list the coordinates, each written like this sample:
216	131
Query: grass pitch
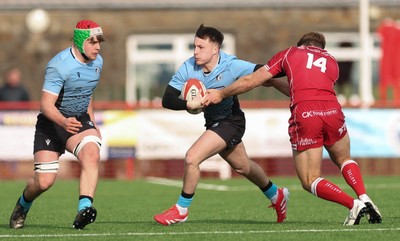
222	210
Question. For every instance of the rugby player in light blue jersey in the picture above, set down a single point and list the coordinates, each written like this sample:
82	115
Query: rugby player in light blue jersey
66	122
225	124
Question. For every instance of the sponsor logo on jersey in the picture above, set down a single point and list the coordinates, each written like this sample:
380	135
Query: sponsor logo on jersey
306	142
312	113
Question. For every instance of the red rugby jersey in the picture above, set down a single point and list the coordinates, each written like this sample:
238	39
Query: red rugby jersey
311	72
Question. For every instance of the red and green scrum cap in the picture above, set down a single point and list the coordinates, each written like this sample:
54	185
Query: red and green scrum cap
85	29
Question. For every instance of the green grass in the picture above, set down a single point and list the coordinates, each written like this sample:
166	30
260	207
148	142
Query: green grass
126	209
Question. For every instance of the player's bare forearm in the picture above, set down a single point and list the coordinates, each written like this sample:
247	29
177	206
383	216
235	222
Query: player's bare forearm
214	96
48	108
240	86
90	111
247	83
281	84
92	116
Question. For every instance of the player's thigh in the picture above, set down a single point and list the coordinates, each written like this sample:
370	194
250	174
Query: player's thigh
45	156
308	164
74	140
236	156
207	145
340	151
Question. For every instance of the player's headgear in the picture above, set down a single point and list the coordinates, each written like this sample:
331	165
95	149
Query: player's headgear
85	29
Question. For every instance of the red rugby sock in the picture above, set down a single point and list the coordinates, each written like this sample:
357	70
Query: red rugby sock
327	190
352	174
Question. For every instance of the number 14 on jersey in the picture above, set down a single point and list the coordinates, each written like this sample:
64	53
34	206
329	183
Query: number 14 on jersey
319	63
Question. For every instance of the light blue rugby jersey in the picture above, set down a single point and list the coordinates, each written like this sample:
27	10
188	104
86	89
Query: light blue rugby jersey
73	81
229	69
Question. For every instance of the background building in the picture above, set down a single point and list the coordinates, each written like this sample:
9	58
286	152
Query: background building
147	40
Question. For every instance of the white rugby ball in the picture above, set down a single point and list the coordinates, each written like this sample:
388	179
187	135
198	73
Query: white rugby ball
190	89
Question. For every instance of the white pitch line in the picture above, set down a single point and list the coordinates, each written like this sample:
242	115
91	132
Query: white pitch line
215	187
199	233
175	183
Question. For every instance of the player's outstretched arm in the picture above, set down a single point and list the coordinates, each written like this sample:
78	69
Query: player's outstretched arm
281	84
242	85
247	83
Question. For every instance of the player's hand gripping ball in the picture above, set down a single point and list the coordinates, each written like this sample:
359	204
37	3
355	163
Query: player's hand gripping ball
193	91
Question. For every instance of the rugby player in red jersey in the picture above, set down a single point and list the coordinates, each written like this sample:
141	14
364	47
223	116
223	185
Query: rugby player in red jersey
316	120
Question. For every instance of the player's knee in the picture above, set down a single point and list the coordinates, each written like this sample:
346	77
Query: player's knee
44	182
242	170
239	171
191	158
44	185
93	152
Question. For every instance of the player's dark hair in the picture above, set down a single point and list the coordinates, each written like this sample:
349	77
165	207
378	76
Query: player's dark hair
211	33
312	39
